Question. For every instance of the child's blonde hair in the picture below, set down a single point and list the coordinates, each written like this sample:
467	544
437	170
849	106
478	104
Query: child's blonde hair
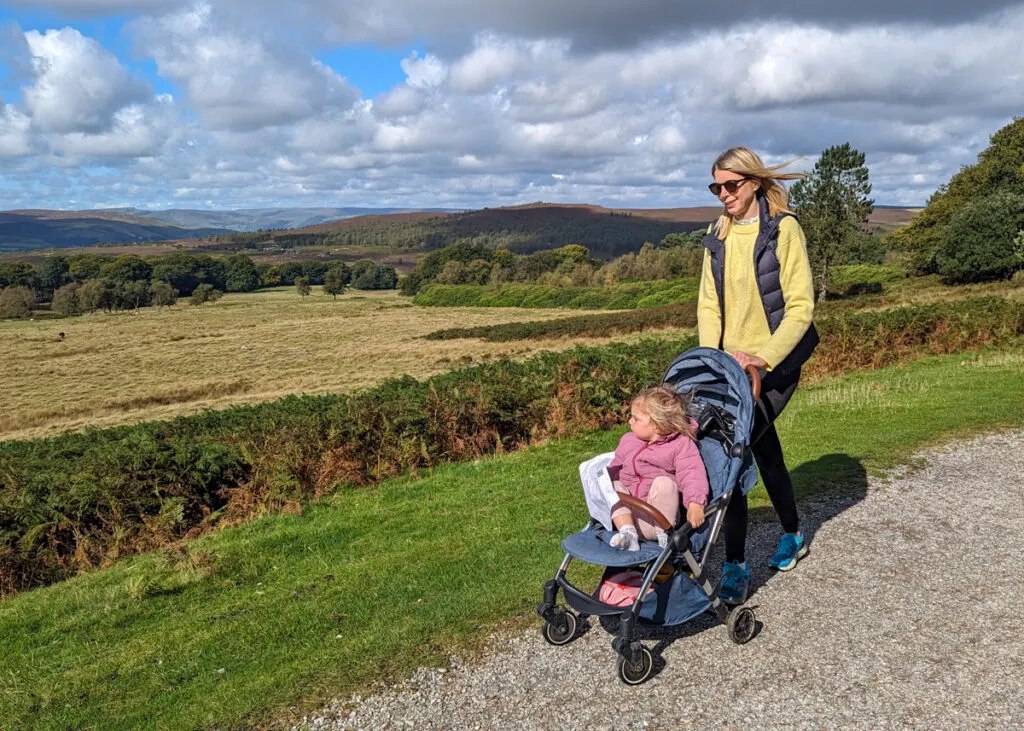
667	410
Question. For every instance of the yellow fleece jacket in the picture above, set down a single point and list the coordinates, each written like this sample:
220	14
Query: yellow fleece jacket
746	326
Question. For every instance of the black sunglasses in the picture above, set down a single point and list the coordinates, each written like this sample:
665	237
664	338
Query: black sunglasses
729	185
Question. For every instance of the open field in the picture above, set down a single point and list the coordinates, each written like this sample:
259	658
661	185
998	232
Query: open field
237	628
121	368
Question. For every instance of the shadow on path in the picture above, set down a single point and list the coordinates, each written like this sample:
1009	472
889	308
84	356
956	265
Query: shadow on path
824	487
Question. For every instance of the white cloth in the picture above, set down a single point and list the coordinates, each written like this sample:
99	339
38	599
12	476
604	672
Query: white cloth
597	488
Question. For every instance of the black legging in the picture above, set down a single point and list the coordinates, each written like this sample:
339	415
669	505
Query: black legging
767	453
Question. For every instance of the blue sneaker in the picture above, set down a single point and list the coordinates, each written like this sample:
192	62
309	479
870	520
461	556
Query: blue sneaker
791	549
735	582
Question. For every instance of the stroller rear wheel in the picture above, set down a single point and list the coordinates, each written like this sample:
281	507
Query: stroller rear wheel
631	674
742	624
560	635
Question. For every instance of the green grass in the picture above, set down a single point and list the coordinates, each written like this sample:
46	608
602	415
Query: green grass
371	583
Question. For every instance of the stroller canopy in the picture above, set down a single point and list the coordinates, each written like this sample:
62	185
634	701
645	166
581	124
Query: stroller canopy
716	379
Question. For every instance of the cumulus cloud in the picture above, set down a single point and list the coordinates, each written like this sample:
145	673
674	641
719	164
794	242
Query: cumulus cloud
79	86
627	106
237	80
14	132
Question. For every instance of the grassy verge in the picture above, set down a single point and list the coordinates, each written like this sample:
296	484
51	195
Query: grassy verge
371	583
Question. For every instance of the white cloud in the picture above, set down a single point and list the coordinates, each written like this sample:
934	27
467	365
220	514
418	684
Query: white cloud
79	86
424	73
14	132
256	120
240	81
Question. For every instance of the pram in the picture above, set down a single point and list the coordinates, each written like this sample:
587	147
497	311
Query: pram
723	405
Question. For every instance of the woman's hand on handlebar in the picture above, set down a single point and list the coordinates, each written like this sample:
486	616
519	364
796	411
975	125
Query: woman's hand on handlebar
744	359
695	515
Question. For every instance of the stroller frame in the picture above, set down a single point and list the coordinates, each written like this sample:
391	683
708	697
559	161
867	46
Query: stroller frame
635	662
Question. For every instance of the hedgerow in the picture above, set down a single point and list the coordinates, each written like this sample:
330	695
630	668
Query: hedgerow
600	325
80	500
615	297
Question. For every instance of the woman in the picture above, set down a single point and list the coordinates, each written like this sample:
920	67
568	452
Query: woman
756	302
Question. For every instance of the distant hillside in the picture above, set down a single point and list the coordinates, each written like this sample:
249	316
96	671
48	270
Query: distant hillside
35	229
607	232
256	219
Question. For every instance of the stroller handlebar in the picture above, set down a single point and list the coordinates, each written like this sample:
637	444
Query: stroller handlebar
755	380
647	509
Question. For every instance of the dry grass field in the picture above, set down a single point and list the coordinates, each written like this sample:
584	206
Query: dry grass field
125	367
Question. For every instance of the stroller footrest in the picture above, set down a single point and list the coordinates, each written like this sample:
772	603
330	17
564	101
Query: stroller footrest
591	545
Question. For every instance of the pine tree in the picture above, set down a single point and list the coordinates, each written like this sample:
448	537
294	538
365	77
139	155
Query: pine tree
832	204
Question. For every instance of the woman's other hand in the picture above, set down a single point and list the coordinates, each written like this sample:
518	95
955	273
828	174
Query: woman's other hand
695	515
744	360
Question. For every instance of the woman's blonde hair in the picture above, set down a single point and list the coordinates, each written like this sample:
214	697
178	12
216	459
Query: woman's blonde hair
667	410
744	161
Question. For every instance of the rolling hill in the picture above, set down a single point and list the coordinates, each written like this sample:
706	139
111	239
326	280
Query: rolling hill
25	230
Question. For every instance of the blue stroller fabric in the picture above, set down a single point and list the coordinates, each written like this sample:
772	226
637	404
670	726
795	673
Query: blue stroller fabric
714	378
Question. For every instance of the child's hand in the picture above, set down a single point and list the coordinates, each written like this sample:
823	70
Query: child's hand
695	515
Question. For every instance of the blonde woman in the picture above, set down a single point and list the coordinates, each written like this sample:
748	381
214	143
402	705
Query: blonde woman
756	303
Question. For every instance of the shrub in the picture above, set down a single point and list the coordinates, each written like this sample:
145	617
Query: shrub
16	302
851	280
978	244
65	300
204	293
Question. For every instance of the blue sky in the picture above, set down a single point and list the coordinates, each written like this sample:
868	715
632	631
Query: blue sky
470	103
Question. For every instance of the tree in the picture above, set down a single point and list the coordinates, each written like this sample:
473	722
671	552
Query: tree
302	286
978	244
334	282
16	302
85	266
162	294
242	275
65	300
204	293
19	274
833	205
127	268
55	272
96	294
1000	167
135	294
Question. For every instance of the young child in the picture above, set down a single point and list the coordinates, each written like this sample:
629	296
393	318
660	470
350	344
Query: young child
658	462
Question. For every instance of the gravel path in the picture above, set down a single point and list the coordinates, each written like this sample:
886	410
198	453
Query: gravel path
907	612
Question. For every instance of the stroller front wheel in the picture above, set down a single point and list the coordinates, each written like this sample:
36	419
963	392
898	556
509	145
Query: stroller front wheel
742	624
556	635
631	674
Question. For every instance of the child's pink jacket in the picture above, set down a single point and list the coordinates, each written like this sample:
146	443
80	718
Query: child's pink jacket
638	463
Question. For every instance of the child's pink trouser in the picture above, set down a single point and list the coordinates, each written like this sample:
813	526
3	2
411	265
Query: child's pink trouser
664	496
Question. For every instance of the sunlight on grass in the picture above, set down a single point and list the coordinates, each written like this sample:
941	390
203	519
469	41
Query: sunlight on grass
290	611
125	367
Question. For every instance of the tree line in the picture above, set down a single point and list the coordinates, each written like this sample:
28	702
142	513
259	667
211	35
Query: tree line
972	229
87	282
